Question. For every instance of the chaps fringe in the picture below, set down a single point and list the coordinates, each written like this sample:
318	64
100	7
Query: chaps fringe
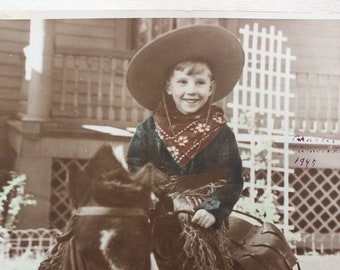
203	248
207	249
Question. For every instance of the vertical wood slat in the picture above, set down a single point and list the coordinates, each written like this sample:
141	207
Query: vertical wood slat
237	89
241	84
270	94
246	52
262	83
317	119
286	129
328	122
76	86
278	71
89	110
270	78
123	110
112	89
302	122
264	91
253	64
251	89
306	121
239	97
337	124
63	87
99	111
312	114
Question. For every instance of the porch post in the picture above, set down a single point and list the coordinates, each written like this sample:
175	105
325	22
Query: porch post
31	160
39	68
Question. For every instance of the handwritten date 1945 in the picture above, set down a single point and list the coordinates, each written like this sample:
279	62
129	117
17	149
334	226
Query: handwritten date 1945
305	162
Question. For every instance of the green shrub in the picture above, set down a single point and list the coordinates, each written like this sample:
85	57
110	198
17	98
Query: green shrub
12	199
264	207
262	203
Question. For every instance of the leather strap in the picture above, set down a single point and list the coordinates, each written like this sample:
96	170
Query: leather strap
109	211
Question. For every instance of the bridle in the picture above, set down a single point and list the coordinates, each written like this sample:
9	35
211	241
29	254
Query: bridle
109	211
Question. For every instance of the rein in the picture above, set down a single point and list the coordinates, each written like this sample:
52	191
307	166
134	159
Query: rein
191	213
109	211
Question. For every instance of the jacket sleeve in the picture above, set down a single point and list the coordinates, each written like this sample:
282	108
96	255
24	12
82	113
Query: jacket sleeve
137	154
222	201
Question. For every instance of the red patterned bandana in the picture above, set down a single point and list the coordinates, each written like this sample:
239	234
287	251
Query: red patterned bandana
189	134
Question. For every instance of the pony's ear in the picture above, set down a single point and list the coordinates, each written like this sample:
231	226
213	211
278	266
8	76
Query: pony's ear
118	152
103	161
78	186
157	179
145	175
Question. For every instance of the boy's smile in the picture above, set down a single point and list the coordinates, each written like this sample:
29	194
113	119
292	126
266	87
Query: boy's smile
190	92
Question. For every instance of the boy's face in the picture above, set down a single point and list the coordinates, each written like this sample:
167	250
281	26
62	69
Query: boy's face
190	92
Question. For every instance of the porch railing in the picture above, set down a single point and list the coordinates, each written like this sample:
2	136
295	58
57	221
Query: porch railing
93	89
30	242
316	104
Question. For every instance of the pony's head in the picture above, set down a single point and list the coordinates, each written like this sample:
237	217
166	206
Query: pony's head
111	183
107	181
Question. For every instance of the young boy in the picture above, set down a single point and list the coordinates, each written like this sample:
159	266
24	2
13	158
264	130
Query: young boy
179	76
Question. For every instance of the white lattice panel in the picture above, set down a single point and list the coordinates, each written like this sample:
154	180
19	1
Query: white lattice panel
60	209
316	200
261	113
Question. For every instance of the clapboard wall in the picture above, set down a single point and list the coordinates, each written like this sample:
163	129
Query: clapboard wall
92	36
14	36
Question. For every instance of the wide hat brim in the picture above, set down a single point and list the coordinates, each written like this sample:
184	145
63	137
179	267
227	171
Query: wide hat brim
213	44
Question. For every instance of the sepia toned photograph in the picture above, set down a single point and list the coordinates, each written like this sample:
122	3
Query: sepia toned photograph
170	143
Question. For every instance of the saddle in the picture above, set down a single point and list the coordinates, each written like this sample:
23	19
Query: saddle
253	244
260	247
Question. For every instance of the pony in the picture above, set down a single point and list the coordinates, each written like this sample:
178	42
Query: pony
110	228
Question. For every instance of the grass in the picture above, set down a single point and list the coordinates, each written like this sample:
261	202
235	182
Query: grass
20	263
307	262
319	262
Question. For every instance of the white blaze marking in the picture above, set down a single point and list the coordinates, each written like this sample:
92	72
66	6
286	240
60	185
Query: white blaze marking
106	237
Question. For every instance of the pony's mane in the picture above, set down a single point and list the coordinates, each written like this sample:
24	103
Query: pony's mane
107	181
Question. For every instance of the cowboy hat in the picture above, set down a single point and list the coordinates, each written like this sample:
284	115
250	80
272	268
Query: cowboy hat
215	45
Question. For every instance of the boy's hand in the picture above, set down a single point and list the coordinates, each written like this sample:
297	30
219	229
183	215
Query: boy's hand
203	218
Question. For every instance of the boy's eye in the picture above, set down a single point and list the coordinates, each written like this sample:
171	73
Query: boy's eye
201	82
182	81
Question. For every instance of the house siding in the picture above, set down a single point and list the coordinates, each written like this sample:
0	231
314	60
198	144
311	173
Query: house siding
14	36
315	43
94	36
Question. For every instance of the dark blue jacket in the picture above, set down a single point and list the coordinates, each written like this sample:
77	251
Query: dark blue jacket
221	156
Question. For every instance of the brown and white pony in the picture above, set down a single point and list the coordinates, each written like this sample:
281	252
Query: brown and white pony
110	228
